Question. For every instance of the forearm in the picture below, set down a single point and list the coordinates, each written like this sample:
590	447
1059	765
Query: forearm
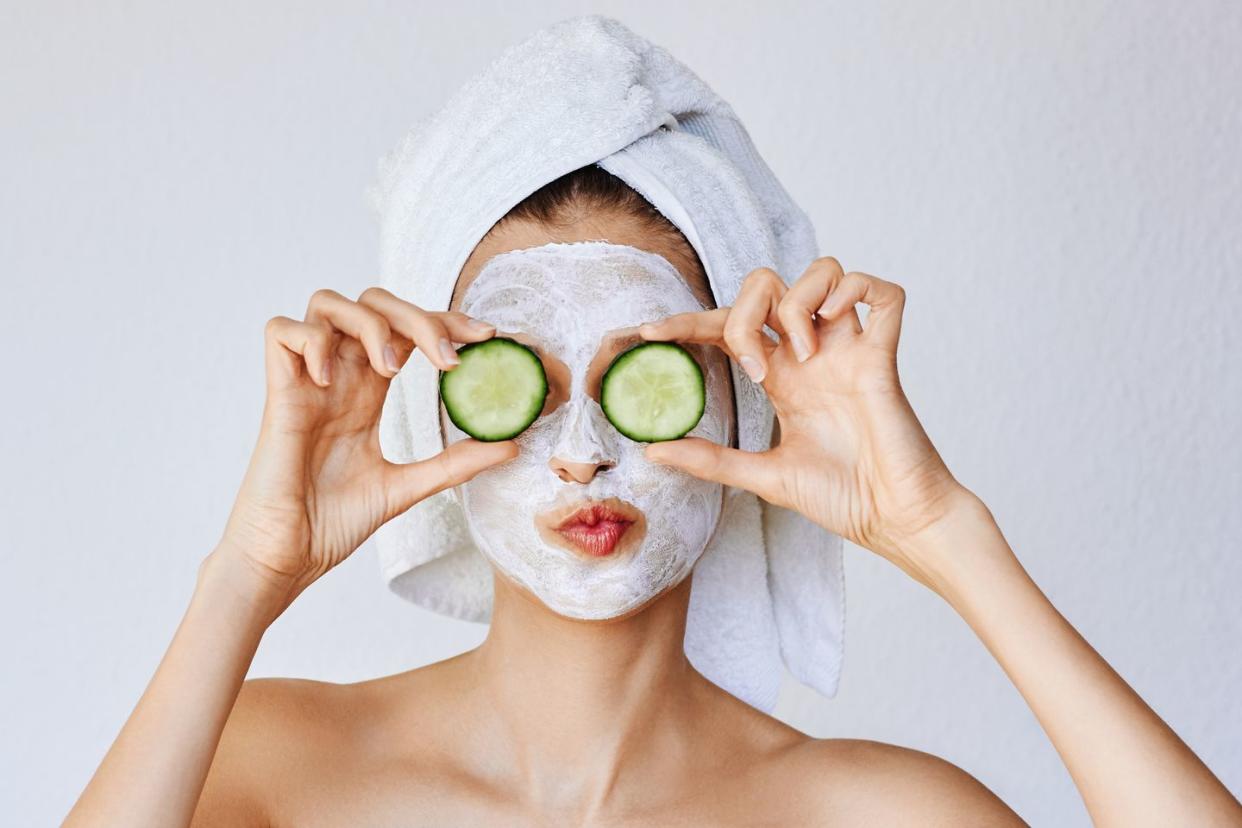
1129	766
154	772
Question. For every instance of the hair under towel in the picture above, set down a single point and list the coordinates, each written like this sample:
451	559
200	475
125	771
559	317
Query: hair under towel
768	592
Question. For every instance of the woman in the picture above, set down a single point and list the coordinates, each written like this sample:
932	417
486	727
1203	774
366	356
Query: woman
555	721
556	718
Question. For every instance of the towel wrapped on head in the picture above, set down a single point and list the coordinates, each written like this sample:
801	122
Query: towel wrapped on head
768	592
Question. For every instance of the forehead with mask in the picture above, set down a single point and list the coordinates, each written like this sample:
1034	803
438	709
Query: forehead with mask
577	304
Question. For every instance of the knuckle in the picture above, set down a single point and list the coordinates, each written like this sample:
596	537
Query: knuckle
790	313
375	326
417	319
323	296
321	335
734	327
760	276
448	474
853	284
273	325
738	343
426	332
827	265
437	326
372	294
792	301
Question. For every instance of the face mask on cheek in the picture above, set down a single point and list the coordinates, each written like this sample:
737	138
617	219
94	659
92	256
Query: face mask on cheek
567	297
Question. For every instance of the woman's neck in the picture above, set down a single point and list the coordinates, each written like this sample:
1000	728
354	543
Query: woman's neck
575	711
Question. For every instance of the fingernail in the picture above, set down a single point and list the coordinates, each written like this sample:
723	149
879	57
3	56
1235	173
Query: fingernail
326	374
390	358
646	329
480	325
752	368
799	347
447	353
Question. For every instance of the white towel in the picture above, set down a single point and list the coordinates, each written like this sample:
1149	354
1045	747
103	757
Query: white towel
769	589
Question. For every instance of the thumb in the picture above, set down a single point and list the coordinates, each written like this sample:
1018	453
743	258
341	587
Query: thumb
712	461
410	483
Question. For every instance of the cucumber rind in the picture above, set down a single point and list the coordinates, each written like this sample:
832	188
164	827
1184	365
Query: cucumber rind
461	411
612	397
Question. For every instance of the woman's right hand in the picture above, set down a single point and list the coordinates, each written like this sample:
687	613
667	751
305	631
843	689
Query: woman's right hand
317	485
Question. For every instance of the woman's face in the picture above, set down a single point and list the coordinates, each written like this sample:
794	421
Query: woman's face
580	518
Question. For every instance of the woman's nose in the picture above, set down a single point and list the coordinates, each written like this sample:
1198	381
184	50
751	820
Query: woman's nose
572	472
581	452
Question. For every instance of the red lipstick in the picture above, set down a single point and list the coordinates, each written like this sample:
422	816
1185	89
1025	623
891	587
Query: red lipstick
596	529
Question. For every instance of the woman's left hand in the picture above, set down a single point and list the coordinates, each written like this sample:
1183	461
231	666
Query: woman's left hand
852	456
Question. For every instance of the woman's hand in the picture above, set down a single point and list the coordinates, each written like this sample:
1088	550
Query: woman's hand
317	485
851	456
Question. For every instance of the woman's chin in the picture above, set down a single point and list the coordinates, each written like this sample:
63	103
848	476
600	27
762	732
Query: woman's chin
597	607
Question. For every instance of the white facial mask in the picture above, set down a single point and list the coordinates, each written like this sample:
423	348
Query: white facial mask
567	297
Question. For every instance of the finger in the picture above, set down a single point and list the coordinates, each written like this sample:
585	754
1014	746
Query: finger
706	327
712	461
292	344
361	323
885	300
756	303
804	297
409	483
432	332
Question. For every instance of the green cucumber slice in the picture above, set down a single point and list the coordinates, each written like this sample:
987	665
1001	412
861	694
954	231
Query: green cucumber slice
653	392
497	390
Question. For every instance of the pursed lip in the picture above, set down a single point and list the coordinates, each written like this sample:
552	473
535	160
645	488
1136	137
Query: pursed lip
598	527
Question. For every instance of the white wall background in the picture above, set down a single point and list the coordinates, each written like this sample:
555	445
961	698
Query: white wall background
1056	185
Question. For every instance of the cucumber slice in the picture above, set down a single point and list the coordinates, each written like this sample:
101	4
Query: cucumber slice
497	390
654	392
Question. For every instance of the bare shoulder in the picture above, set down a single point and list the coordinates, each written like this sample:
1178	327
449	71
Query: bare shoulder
291	714
275	724
299	706
286	736
856	780
810	781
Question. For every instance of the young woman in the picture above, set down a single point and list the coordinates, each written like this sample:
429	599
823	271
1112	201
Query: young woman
557	721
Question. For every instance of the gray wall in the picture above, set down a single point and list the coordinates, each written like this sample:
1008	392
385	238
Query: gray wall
1057	187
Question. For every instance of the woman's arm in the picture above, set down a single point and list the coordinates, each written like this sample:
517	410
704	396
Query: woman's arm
317	486
154	772
853	457
1129	766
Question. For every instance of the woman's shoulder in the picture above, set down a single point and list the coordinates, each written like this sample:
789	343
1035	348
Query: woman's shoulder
848	779
272	723
305	710
274	720
288	741
845	781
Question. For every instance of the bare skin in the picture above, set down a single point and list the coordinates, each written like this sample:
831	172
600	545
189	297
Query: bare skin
557	721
